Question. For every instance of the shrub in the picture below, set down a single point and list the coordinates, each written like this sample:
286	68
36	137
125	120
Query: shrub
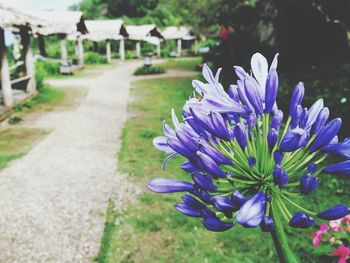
94	58
129	54
149	70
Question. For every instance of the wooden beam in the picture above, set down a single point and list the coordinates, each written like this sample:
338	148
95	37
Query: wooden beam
5	72
158	50
138	49
80	52
179	48
28	59
41	44
122	49
64	53
108	51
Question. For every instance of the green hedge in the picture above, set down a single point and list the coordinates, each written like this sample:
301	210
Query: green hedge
149	70
94	58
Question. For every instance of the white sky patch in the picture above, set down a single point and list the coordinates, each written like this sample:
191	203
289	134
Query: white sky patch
39	4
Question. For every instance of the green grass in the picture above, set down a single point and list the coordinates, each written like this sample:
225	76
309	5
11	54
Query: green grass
47	98
16	142
187	64
152	231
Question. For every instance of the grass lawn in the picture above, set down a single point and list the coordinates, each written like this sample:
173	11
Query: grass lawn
16	142
152	231
185	64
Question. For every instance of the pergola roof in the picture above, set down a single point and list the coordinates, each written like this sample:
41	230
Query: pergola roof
105	29
173	32
11	18
143	32
60	22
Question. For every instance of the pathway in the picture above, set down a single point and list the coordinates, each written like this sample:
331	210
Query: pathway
52	200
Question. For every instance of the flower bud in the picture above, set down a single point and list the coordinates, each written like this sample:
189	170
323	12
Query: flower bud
210	165
272	138
179	147
301	220
267	224
311	168
252	93
341	148
321	120
271	90
166	185
189	199
338	168
313	113
326	134
239	132
216	225
280	176
308	184
277	120
188	210
278	157
233	93
252	211
205	182
223	204
335	212
188	167
213	153
220	129
296	115
297	97
238	199
251	161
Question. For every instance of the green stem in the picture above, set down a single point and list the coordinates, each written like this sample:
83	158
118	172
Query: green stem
285	255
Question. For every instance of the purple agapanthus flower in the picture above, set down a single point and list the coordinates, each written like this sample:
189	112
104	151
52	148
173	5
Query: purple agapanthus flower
246	165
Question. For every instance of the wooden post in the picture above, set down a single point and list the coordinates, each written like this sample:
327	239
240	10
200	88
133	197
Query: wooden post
179	48
122	49
158	50
41	44
138	49
196	46
64	53
5	72
108	51
28	60
80	52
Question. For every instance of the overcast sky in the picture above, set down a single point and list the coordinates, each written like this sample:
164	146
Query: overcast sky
39	4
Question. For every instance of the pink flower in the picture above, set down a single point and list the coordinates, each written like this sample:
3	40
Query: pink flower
317	236
335	224
342	252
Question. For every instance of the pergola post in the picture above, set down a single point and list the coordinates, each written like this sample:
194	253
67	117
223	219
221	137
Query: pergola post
5	72
179	48
41	44
64	53
196	46
28	60
122	49
80	52
138	49
158	50
108	51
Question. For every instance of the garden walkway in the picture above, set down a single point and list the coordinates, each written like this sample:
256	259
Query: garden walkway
53	200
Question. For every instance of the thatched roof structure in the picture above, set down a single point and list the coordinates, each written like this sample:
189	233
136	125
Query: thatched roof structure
105	29
148	33
13	19
173	32
60	22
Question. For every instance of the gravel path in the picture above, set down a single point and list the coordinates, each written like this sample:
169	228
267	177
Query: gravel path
52	200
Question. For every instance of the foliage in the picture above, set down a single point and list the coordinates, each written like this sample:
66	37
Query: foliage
15	120
182	64
94	58
144	70
152	231
43	69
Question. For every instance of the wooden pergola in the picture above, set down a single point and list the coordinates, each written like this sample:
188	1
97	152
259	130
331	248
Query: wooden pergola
147	33
22	24
62	24
107	30
179	34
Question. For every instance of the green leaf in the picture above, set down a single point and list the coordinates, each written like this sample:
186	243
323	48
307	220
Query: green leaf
323	250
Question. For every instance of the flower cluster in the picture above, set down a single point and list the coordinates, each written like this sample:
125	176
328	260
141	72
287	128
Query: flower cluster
334	236
246	165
